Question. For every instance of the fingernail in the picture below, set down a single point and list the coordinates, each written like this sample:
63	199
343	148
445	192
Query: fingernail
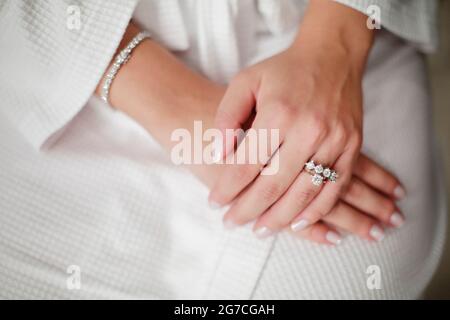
397	220
217	150
229	224
214	205
263	232
376	233
399	192
299	225
333	237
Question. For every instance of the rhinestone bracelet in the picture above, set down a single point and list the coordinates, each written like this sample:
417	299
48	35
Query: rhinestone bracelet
119	61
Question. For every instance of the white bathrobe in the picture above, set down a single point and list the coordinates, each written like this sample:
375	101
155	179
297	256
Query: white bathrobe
91	207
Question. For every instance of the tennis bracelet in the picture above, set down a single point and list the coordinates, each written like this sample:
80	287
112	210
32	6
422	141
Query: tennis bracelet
119	61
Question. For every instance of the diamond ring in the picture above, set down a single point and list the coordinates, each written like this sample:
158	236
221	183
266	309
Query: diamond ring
320	174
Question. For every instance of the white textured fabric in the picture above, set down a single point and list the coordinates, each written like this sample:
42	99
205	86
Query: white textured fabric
413	20
49	71
106	198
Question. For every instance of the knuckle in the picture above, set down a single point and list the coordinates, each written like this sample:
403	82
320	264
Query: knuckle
241	78
302	197
319	129
271	192
286	111
316	118
356	141
242	173
276	120
318	121
319	213
316	136
340	134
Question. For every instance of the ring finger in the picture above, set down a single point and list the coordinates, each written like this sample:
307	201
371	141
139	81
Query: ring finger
299	195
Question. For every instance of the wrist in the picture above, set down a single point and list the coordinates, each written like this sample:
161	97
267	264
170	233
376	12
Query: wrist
336	31
129	34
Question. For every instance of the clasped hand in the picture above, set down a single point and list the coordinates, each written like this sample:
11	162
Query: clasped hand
314	99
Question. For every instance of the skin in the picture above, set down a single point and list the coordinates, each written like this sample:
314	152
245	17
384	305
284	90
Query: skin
312	93
162	94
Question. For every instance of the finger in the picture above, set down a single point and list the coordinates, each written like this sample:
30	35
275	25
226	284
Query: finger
302	192
354	221
247	161
370	201
378	177
234	110
320	233
267	189
321	205
280	214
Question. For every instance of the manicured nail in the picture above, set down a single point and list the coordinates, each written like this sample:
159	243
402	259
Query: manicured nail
333	237
229	224
214	205
217	150
399	192
376	233
263	232
299	225
397	220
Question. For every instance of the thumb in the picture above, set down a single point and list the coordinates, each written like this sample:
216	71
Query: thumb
234	110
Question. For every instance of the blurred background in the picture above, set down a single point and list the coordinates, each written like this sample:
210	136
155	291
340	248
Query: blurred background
439	69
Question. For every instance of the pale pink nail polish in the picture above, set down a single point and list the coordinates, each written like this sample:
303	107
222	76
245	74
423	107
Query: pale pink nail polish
377	233
228	224
214	205
399	192
397	220
299	225
333	237
263	232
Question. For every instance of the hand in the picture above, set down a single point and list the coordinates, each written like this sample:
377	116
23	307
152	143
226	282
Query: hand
312	93
367	206
158	110
364	210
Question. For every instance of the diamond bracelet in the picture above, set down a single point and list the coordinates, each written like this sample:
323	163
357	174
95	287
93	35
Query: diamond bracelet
119	61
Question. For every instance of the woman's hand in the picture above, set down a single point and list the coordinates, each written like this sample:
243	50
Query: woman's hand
312	93
144	89
365	208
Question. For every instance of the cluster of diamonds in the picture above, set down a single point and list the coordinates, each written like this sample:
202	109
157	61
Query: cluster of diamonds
320	174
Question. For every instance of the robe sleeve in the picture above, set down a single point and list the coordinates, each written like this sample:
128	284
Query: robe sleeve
52	56
413	20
